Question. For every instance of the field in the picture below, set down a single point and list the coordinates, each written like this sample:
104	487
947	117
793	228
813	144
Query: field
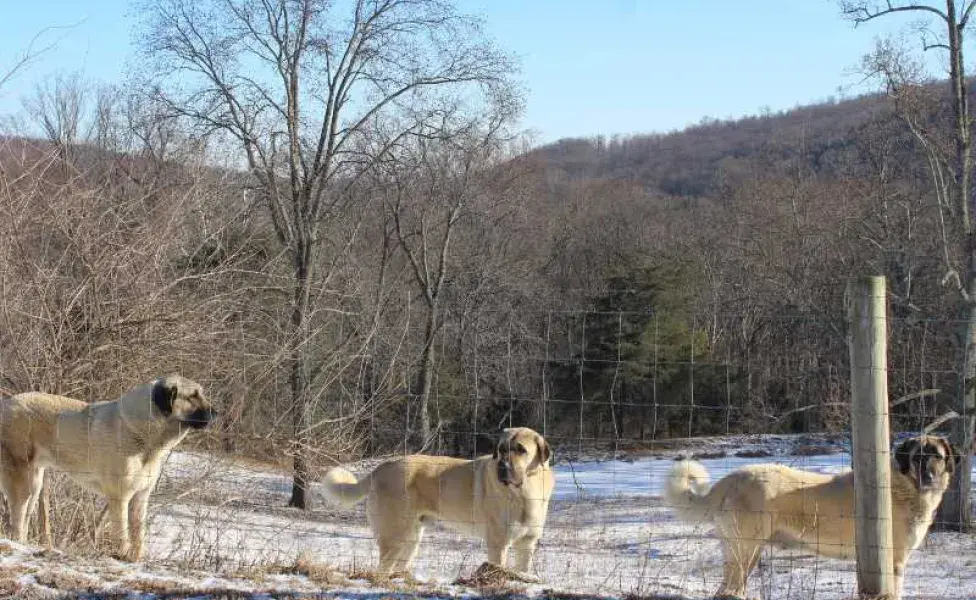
220	529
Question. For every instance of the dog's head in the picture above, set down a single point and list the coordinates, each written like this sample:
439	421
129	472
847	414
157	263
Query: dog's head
182	400
519	453
927	460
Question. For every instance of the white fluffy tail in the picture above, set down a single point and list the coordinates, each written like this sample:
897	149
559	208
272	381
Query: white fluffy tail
342	488
686	491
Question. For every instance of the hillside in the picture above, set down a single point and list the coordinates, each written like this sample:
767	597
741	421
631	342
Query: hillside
695	161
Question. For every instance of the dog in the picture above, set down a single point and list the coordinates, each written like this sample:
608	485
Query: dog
774	504
115	448
502	498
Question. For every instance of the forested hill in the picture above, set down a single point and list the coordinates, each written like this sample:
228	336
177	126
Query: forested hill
693	161
744	232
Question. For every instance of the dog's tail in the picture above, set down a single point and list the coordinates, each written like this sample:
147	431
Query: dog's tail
686	491
342	487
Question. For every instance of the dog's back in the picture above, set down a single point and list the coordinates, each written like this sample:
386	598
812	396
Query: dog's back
771	503
434	484
29	422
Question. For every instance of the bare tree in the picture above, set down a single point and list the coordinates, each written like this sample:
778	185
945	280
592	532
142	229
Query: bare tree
430	188
949	154
33	51
297	86
59	107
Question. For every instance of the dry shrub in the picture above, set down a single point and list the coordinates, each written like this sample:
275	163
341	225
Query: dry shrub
74	515
813	450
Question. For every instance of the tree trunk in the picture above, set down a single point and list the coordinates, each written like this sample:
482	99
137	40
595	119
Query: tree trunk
301	422
426	378
643	417
299	383
960	109
956	512
956	509
367	397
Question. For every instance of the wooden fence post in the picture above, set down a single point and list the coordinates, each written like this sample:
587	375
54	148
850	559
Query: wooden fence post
868	341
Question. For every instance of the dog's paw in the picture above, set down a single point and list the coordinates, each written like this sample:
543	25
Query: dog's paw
129	556
525	577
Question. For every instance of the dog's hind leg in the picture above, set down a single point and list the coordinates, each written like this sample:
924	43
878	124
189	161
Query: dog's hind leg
741	557
39	506
398	546
17	480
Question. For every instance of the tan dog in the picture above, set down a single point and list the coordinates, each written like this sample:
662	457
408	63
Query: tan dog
763	504
115	448
503	498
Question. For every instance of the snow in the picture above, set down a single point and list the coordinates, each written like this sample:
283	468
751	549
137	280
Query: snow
646	477
221	524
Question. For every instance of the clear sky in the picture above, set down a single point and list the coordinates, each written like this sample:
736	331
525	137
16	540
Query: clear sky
591	66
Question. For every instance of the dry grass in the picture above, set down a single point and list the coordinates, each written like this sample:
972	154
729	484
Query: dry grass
74	517
317	572
68	580
495	580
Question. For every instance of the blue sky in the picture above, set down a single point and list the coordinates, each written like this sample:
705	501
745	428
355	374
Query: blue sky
591	66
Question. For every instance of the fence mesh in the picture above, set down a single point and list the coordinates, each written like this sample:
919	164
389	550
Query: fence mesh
618	395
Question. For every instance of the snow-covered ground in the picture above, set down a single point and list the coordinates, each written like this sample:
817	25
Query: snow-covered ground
218	524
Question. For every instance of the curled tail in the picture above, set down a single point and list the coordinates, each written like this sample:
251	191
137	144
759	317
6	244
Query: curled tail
686	491
342	488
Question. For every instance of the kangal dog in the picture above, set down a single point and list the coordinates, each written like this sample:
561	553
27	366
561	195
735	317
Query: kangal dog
774	504
115	448
502	498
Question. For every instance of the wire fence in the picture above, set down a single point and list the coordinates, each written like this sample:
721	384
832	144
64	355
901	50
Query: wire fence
618	395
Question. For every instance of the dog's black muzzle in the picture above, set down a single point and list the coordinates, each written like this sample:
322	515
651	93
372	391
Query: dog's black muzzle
505	472
200	418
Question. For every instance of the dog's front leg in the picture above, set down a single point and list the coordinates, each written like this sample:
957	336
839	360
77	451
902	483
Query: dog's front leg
899	577
524	551
118	518
498	544
44	516
138	509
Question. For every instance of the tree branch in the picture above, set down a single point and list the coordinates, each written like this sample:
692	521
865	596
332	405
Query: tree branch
860	12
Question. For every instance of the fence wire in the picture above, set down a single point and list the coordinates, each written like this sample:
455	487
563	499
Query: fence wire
618	395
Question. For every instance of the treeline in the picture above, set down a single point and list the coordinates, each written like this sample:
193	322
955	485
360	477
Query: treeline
590	306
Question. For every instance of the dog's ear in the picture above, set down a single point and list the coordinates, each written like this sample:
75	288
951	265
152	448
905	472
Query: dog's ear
496	441
952	457
545	452
163	395
903	455
503	436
